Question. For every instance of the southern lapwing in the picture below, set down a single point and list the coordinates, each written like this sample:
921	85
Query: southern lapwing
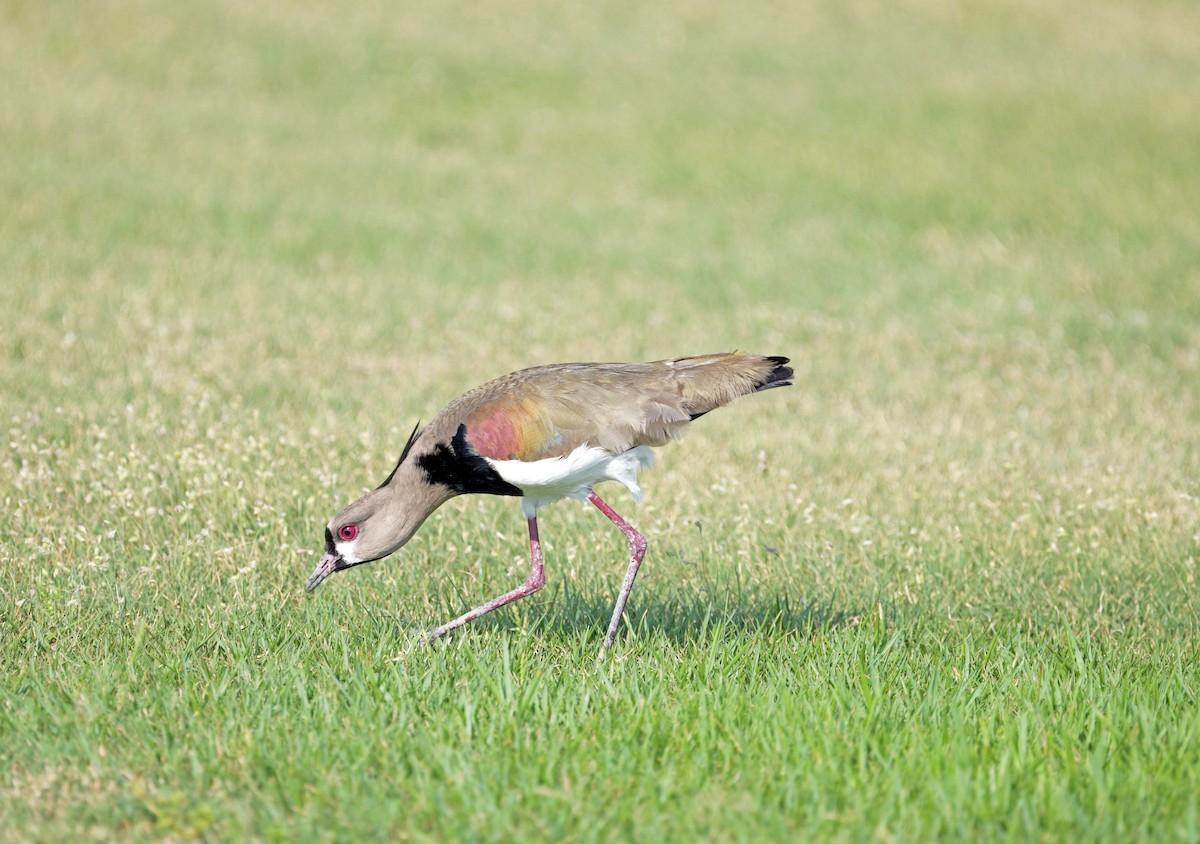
543	434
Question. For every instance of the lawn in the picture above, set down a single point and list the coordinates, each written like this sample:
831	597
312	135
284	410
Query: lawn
943	588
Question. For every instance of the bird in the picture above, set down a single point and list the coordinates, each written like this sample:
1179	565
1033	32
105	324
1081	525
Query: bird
543	434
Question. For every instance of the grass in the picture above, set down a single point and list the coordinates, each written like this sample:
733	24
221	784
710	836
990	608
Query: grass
944	588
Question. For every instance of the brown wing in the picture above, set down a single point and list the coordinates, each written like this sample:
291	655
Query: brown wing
549	411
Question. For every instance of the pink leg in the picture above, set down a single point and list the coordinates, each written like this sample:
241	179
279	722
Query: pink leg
637	550
535	581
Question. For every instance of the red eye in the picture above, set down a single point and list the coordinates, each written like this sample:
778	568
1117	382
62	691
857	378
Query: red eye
347	532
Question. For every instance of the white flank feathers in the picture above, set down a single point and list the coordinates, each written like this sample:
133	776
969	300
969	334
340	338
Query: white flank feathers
573	476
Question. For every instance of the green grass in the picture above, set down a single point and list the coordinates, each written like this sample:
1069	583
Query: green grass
945	588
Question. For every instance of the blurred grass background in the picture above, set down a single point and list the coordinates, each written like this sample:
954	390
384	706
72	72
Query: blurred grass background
246	246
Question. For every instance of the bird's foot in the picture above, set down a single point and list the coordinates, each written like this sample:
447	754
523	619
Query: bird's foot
415	639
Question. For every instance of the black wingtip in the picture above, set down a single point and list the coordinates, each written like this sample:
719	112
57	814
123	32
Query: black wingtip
780	376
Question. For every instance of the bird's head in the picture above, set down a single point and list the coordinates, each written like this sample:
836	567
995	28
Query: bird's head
380	522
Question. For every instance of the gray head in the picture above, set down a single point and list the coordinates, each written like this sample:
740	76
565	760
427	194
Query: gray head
379	523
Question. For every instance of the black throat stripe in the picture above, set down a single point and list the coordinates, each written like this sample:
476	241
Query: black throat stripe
460	467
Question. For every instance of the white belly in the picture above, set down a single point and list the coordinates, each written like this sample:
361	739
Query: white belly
573	476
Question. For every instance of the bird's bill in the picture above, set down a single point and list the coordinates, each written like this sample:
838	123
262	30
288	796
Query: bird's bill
327	566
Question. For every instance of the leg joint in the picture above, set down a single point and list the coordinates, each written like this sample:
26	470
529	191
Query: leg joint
638	543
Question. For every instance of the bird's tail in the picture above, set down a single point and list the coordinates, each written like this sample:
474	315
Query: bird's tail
709	381
779	376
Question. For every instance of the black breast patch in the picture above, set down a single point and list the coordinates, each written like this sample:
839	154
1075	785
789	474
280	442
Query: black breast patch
459	466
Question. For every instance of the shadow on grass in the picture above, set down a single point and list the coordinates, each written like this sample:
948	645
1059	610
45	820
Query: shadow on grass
686	615
680	614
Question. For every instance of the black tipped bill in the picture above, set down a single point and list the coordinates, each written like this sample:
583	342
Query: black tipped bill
328	565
